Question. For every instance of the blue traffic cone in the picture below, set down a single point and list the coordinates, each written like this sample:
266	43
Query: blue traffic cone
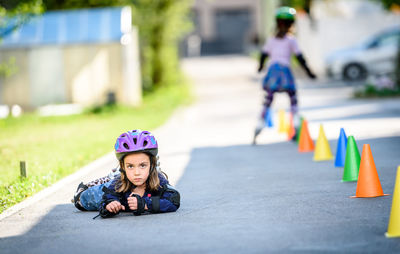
268	119
341	149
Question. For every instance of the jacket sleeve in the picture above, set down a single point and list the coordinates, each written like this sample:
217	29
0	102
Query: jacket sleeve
303	64
168	200
263	57
109	196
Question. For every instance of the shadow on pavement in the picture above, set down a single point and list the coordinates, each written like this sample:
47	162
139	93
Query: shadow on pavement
240	199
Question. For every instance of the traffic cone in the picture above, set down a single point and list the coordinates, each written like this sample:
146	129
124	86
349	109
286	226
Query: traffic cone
305	143
394	219
291	131
322	148
299	131
287	124
282	121
268	119
368	184
352	161
341	149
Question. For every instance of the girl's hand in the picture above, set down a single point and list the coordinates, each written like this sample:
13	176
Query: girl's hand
132	202
115	207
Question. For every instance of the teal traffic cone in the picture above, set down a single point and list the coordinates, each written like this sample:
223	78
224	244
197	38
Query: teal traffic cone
352	161
341	149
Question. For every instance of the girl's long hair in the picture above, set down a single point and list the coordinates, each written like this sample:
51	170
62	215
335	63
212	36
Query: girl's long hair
152	183
283	27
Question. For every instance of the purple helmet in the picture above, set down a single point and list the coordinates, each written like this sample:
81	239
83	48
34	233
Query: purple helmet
135	141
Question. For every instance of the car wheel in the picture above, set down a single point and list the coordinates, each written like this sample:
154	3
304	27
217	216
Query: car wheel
354	72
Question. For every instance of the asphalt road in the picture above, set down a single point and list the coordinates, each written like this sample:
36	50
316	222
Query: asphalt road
236	198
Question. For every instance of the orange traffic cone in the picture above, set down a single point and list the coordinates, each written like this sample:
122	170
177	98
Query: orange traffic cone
291	130
368	184
394	219
305	143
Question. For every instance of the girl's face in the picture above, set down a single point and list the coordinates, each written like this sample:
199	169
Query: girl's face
137	168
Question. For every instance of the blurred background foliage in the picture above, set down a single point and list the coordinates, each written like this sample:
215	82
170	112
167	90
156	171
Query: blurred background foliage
161	25
21	11
306	4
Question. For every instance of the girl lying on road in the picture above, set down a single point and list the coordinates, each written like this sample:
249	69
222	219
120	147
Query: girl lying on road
139	186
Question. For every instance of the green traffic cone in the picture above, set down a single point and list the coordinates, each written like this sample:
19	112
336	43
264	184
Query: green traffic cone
352	161
299	131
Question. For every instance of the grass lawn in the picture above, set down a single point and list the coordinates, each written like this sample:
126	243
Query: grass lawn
370	91
54	147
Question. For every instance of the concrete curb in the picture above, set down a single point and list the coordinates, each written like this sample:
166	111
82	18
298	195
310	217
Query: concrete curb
58	185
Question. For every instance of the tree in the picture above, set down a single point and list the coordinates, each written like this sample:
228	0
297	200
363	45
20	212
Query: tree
161	25
389	3
13	14
78	4
298	4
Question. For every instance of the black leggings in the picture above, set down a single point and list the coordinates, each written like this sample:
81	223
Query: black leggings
270	97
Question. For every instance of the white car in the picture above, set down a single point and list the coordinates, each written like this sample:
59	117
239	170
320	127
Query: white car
376	55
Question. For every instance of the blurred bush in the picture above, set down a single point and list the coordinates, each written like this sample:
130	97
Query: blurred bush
161	25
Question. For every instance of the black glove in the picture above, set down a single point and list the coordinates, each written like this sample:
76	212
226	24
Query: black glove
263	56
303	64
104	213
140	205
311	75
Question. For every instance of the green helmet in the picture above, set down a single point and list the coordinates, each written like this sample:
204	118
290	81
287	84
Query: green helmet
286	13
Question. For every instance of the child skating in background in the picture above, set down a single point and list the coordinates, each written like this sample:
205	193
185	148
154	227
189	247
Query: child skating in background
138	187
279	49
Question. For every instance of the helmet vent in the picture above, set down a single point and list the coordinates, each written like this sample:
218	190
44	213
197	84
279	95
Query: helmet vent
135	141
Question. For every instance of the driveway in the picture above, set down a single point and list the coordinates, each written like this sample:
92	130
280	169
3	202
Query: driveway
236	198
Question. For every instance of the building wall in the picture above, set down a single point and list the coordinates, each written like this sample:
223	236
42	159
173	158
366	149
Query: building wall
46	76
84	73
206	11
87	73
227	26
16	89
131	91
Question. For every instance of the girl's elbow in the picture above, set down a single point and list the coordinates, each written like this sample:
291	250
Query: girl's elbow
171	208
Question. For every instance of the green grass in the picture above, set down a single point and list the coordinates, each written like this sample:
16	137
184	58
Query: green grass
370	91
54	147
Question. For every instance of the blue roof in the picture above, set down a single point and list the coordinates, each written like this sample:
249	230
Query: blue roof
98	25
